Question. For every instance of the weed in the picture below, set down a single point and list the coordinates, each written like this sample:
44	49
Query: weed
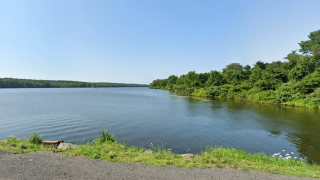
220	166
35	138
106	136
23	146
96	156
112	154
124	143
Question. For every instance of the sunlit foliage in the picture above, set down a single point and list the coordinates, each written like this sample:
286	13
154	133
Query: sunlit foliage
295	81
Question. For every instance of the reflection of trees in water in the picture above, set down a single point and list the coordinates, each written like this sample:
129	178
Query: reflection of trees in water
300	125
275	133
308	146
294	119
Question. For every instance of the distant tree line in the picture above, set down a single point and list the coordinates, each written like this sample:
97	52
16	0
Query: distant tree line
30	83
296	81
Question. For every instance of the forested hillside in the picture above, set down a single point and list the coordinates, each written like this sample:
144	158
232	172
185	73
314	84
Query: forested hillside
296	81
30	83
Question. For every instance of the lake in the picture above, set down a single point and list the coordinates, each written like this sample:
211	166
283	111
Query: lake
142	116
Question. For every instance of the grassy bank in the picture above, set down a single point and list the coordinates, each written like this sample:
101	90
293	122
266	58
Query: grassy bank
262	97
108	148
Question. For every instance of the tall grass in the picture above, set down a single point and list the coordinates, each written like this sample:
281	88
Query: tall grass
35	138
107	136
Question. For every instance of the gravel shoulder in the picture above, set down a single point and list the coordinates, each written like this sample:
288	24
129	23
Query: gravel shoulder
45	165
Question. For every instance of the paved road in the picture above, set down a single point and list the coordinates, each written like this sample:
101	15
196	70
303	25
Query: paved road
45	165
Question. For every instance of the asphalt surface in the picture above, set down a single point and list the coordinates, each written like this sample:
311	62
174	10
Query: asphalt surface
45	165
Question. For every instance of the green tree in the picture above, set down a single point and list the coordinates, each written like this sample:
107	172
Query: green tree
232	73
304	67
172	80
232	67
261	65
247	71
215	79
307	47
191	79
293	59
296	81
203	78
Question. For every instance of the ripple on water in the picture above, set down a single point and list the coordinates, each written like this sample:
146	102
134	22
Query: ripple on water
142	116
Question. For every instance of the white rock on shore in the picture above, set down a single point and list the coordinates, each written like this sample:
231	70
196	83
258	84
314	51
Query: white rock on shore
66	146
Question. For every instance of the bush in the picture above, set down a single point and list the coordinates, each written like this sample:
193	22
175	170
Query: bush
223	91
265	96
285	92
107	136
309	83
313	99
213	90
201	92
35	138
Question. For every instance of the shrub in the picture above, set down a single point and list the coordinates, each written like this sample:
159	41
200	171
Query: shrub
35	138
96	156
201	92
313	99
107	136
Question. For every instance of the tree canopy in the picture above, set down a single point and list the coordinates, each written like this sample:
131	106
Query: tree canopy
294	81
31	83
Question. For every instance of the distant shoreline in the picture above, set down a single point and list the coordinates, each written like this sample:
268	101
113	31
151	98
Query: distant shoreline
32	83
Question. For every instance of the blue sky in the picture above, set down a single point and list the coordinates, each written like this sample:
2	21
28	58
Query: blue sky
137	41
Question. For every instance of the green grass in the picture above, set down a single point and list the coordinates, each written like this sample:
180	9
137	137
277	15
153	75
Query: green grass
107	136
35	139
108	148
21	146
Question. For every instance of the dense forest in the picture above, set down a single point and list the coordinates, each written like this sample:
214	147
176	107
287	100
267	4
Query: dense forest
30	83
295	81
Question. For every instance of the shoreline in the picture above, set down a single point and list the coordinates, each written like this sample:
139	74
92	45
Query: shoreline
107	148
224	97
48	165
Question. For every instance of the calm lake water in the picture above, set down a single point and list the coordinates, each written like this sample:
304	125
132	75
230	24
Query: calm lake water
142	116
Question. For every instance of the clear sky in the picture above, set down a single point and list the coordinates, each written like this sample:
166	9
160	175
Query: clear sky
137	41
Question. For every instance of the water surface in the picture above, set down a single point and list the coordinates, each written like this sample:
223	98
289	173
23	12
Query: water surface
143	116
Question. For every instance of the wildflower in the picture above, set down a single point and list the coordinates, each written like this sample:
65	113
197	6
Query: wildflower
287	154
295	157
283	150
280	156
292	153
